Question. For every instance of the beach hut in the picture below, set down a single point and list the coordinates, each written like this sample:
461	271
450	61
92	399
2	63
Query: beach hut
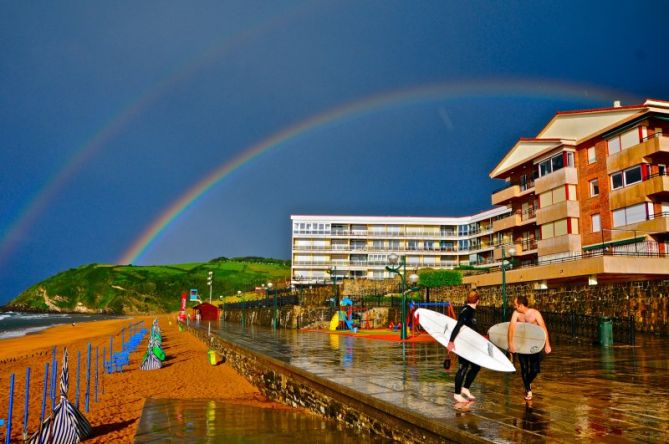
66	424
208	312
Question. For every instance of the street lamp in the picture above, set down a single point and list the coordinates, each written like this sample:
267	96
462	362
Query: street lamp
512	252
398	266
210	281
335	298
275	318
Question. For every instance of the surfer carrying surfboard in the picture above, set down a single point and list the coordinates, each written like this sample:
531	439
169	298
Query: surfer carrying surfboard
467	370
529	363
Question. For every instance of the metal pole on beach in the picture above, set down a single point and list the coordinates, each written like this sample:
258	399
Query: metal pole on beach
26	405
88	378
78	375
52	389
9	411
96	374
46	382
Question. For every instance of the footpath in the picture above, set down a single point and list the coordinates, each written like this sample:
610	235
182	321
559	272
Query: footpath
584	393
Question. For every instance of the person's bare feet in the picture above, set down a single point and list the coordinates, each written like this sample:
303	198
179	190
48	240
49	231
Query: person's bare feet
467	393
528	396
459	398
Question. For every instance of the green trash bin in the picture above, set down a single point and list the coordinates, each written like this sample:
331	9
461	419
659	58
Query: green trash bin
605	332
213	358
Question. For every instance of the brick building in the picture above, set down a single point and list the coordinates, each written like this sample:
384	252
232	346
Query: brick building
589	198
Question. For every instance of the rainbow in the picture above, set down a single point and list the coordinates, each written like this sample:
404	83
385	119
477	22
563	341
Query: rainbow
40	199
356	109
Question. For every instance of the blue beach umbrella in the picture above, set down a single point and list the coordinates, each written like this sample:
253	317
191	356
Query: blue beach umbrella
66	424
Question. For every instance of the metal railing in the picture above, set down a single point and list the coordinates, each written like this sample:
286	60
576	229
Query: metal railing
565	325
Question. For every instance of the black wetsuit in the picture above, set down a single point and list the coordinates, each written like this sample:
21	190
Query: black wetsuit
467	371
530	366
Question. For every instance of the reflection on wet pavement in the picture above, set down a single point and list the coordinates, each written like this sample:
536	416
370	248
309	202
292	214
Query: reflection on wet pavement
583	393
208	421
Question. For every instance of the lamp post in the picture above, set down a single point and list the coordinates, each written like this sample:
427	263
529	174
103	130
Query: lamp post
333	276
512	252
210	281
275	319
239	294
398	266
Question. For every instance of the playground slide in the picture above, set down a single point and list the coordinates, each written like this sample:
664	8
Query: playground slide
349	324
334	322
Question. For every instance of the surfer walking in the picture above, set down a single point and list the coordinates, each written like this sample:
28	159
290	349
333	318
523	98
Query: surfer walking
530	364
467	370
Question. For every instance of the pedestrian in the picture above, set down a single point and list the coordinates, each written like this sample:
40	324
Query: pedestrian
530	364
467	370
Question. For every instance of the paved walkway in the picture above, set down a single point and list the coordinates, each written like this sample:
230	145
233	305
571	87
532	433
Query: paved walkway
584	393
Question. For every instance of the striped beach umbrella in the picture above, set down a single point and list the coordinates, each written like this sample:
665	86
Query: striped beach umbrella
150	361
66	424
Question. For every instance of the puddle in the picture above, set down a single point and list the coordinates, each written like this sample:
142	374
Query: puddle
208	421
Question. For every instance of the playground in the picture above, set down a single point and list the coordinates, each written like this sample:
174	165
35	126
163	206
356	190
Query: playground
363	322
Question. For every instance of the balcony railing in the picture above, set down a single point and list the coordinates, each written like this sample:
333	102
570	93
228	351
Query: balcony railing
528	244
395	234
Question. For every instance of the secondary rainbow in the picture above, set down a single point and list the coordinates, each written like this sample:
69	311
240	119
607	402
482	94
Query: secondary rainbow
40	199
352	110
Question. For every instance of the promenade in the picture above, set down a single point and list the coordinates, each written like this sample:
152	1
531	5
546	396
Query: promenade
585	393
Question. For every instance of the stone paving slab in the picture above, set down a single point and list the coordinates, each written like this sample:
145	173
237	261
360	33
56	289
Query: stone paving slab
584	393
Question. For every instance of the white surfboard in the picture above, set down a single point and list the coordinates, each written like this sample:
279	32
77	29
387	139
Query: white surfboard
527	338
468	344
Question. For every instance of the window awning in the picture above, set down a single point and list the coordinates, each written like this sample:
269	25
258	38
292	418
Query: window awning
614	243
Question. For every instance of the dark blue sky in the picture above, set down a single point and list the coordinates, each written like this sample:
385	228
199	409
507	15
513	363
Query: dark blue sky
111	111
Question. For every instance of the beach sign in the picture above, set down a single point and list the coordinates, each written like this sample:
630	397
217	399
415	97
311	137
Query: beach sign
193	295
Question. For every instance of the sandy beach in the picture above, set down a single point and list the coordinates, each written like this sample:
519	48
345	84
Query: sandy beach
186	374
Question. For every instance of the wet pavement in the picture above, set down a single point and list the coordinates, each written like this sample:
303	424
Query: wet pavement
584	393
179	421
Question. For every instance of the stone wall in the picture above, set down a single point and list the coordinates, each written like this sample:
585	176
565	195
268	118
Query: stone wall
646	301
292	386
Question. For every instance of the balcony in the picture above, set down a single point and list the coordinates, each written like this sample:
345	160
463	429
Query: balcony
656	223
650	148
506	194
566	175
510	192
507	223
655	185
558	211
527	246
559	244
497	253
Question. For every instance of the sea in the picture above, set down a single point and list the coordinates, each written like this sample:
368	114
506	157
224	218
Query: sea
14	324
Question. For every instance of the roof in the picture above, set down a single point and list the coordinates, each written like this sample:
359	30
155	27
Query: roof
577	125
572	127
523	151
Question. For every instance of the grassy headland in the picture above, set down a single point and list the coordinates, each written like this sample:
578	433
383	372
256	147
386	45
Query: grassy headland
96	288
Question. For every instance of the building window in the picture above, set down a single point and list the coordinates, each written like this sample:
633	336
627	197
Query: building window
592	157
559	228
629	215
594	187
626	177
596	223
555	163
623	141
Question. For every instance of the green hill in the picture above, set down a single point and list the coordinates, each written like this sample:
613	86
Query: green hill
98	288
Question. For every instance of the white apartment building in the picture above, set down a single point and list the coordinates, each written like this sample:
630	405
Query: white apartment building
357	247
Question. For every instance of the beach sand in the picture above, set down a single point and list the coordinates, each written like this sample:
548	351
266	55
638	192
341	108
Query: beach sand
186	374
